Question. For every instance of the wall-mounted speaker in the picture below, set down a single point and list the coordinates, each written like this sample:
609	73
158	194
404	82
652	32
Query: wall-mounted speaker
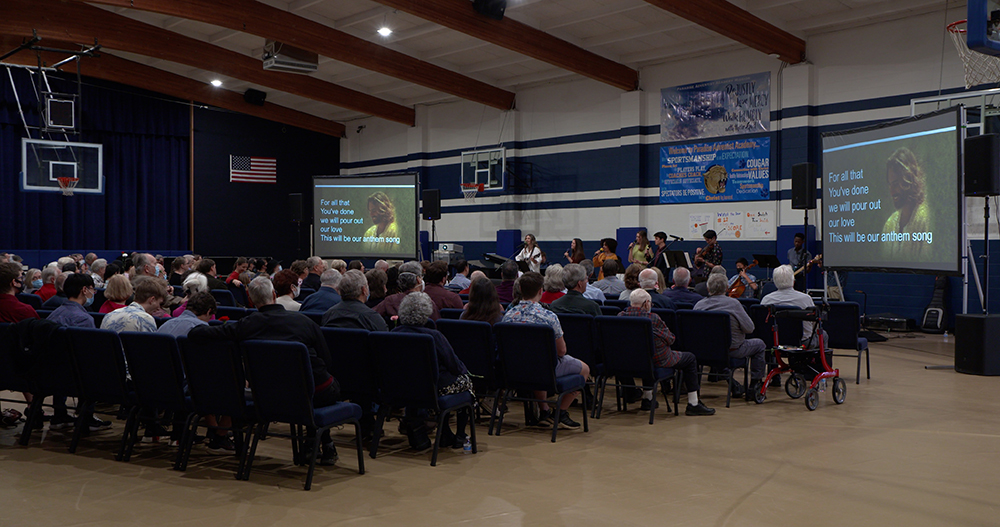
431	199
490	8
255	97
804	186
295	212
982	165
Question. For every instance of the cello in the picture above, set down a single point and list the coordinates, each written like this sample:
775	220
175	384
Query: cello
738	288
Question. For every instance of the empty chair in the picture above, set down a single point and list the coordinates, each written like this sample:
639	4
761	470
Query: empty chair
629	351
581	342
353	366
474	344
178	291
281	380
99	299
620	304
224	297
232	313
304	293
683	305
34	301
451	313
707	335
610	310
528	357
239	294
668	316
843	326
747	302
408	376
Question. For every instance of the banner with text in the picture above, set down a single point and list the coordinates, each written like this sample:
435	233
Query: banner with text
738	105
737	170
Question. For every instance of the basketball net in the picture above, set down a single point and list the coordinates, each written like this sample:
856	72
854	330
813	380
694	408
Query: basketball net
67	184
980	68
469	190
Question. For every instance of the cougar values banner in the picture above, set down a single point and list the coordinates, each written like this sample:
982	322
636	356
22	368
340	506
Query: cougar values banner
736	170
734	106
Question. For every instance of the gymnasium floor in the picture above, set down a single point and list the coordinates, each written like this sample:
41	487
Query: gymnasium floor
909	447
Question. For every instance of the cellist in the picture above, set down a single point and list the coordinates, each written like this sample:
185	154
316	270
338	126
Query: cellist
742	284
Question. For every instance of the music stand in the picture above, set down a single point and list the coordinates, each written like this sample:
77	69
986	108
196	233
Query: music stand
522	266
677	259
767	261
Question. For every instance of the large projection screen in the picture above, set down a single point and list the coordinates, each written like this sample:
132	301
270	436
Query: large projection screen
365	216
892	196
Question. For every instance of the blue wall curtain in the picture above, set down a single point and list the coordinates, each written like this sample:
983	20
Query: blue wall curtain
146	143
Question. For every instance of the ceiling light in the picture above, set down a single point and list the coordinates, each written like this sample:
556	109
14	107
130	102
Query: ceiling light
216	83
384	31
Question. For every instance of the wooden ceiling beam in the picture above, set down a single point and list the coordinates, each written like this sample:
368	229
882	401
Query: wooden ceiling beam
740	25
115	69
265	21
522	38
82	23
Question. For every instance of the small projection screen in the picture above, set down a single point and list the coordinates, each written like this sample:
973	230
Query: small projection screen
365	216
892	196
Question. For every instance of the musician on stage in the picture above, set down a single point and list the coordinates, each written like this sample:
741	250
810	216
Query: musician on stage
799	257
708	256
606	252
659	259
531	254
748	280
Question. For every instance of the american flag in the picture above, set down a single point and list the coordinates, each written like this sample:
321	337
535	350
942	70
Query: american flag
246	169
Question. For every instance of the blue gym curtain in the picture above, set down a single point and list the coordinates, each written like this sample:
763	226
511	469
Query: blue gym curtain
146	144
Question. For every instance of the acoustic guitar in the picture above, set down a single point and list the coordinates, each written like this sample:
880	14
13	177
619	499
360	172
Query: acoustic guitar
817	259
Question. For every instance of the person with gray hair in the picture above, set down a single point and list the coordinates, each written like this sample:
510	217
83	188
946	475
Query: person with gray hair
592	292
702	287
60	297
680	292
649	281
740	325
575	280
381	265
315	266
453	377
48	289
553	284
327	295
786	295
351	311
409	282
273	322
97	268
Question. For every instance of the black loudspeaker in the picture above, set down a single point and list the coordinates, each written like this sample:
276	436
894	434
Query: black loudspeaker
982	165
431	199
295	212
804	186
490	8
976	351
255	97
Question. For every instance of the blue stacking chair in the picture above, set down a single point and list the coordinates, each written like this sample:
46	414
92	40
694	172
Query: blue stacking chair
748	302
98	319
610	311
620	304
408	376
668	316
281	380
706	335
315	316
464	297
843	325
99	362
683	305
178	290
304	294
99	300
34	301
475	345
353	365
628	353
51	375
217	384
452	313
239	294
234	313
580	335
528	357
154	363
224	297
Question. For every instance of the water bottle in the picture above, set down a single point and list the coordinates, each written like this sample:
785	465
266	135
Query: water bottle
822	385
467	447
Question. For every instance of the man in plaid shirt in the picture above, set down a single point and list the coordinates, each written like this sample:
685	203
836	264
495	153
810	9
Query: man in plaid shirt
664	357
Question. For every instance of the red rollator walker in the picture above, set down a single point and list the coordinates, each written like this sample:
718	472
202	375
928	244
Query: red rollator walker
803	362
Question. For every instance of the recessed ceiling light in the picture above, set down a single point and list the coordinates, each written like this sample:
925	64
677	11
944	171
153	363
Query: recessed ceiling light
384	31
216	83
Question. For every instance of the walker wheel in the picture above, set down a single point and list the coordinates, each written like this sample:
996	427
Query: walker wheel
839	390
759	395
795	386
812	399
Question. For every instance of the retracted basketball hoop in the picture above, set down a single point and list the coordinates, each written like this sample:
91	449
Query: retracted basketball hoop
980	68
469	190
67	184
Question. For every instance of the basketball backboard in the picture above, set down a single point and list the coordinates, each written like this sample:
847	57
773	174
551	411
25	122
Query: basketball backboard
983	26
43	162
484	167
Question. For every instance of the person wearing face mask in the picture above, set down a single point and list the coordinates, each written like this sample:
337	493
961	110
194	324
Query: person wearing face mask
145	265
32	281
11	283
286	286
79	291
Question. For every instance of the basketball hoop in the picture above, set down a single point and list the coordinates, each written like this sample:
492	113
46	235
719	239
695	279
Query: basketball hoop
980	68
67	184
469	190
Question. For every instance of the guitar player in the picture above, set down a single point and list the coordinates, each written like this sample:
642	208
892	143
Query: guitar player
799	256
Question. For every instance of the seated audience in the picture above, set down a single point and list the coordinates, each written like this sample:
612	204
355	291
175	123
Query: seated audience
32	281
740	326
178	269
326	296
575	281
11	282
508	274
207	267
79	291
272	322
97	269
461	280
592	292
116	293
351	311
648	282
392	280
453	376
382	265
786	295
611	285
376	287
60	297
286	286
339	265
48	289
315	266
484	304
408	283
529	311
664	357
198	310
631	281
661	280
702	288
680	291
149	297
357	265
194	283
434	280
472	278
552	284
239	268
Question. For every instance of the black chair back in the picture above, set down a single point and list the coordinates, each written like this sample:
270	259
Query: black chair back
843	324
475	345
215	376
239	294
100	364
683	305
351	361
315	316
610	311
154	362
407	368
620	304
98	319
451	313
233	313
628	346
748	302
706	335
668	316
762	324
580	335
281	380
789	330
527	355
304	293
99	300
34	301
223	297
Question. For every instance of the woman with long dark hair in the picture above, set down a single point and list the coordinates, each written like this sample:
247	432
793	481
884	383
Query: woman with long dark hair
575	252
484	304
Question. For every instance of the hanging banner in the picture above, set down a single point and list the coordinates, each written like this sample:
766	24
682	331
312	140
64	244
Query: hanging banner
737	170
739	105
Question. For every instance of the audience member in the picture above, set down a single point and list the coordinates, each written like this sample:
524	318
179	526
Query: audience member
207	267
97	269
199	308
376	287
11	282
239	268
149	297
461	279
326	296
740	326
484	304
592	292
508	274
702	287
315	265
286	286
786	295
351	311
680	292
178	270
339	265
529	311
408	283
79	291
631	281
575	280
300	269
382	265
60	297
116	293
472	278
48	289
194	283
32	281
392	280
611	285
648	282
356	265
552	284
434	280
